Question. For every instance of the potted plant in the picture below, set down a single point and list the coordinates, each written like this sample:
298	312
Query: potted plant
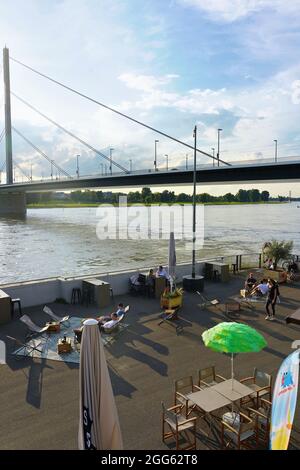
171	298
277	251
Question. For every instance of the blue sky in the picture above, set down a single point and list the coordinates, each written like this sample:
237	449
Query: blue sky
232	64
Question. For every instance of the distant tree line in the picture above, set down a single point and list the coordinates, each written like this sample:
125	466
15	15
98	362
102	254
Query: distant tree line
146	196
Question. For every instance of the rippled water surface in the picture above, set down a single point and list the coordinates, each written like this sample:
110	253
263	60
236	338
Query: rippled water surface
63	242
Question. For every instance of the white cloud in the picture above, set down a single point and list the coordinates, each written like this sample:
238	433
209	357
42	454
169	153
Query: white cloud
232	10
146	83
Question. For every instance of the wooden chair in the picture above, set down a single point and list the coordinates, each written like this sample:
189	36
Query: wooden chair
208	303
178	426
238	432
183	387
263	419
208	377
261	384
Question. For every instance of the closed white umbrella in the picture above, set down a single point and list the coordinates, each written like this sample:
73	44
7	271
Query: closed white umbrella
98	418
172	258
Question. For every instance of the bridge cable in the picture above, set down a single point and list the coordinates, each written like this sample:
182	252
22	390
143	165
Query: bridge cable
71	134
22	171
61	170
117	112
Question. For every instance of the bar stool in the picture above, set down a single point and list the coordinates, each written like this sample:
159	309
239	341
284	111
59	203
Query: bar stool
216	275
76	295
234	268
14	302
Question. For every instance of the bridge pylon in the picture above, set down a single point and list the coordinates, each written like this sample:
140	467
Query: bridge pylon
8	136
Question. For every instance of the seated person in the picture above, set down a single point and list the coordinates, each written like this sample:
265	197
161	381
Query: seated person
134	279
261	289
120	310
104	324
250	282
161	272
150	282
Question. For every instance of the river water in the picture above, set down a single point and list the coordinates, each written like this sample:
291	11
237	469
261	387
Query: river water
64	242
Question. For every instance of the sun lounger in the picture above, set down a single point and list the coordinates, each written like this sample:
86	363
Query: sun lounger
32	328
54	316
171	317
26	349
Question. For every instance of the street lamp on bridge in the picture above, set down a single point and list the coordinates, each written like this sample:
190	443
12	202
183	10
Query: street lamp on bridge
51	169
155	154
101	165
167	157
218	154
213	151
77	169
186	161
110	159
130	165
276	143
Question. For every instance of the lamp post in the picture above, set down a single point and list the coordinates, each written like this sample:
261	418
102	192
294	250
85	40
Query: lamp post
167	158
155	154
130	165
77	170
276	143
110	160
52	169
213	151
31	171
186	161
194	282
218	154
101	165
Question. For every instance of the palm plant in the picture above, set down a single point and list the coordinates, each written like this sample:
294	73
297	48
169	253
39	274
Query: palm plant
278	251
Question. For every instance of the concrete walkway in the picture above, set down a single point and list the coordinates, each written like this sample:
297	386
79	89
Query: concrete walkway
39	398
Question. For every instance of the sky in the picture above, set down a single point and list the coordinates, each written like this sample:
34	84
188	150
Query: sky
173	64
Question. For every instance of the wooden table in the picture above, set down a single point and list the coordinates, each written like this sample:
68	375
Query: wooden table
53	327
208	400
64	347
294	317
232	389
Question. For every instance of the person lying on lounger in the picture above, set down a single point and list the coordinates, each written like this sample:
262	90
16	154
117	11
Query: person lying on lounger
261	289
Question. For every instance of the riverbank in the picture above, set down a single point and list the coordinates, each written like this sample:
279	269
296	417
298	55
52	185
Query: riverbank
66	205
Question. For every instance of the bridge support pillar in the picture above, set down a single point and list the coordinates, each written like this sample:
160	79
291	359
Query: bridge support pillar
12	204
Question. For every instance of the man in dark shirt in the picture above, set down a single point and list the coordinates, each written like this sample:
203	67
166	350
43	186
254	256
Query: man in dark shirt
250	282
272	298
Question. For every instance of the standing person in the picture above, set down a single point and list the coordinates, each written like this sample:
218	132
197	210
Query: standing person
272	299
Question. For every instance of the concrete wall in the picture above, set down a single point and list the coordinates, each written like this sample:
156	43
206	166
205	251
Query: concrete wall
12	204
46	291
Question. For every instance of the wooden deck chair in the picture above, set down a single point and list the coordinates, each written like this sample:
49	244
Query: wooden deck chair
55	317
32	328
178	426
171	316
28	348
207	303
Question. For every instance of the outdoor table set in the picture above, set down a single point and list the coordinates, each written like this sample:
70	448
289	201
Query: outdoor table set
215	397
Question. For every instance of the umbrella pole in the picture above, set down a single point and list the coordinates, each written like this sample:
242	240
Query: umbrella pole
232	373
